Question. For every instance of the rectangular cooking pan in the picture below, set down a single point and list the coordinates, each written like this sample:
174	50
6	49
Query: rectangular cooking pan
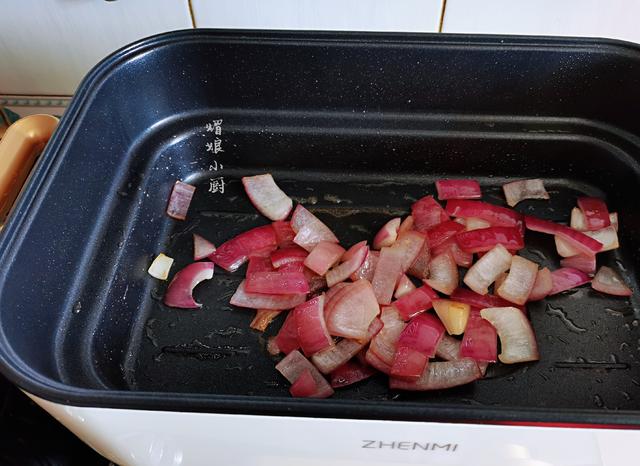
355	126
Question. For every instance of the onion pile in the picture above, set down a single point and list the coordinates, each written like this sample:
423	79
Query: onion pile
354	312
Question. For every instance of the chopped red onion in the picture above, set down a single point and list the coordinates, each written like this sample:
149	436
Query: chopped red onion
583	262
474	223
566	278
313	335
480	340
484	239
520	281
495	215
354	258
331	358
517	191
275	302
352	314
350	373
542	286
267	197
476	300
406	225
610	282
443	273
387	234
577	239
309	229
517	340
287	338
448	348
440	375
179	200
324	256
284	233
368	267
442	232
427	213
417	343
231	254
382	348
277	283
288	255
415	302
202	248
595	212
180	290
458	189
404	286
294	365
484	272
160	267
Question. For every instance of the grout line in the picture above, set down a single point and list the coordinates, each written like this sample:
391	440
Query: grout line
444	8
193	17
35	96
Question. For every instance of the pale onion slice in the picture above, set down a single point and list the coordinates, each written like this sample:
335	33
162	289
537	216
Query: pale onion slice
355	256
387	234
443	273
335	356
609	281
517	191
383	346
310	230
387	273
542	286
180	290
440	375
448	348
517	340
324	256
453	315
353	310
202	248
160	267
519	283
583	262
267	197
405	285
566	278
368	267
406	225
475	223
295	364
607	236
485	271
274	302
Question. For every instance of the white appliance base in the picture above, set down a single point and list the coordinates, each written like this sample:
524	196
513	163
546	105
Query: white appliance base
165	438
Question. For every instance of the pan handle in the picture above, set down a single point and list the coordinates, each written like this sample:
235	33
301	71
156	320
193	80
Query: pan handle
20	146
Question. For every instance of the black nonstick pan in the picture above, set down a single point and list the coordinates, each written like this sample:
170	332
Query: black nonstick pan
355	127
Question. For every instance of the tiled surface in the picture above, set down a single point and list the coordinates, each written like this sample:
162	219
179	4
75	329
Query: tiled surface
616	19
350	15
47	46
13	107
